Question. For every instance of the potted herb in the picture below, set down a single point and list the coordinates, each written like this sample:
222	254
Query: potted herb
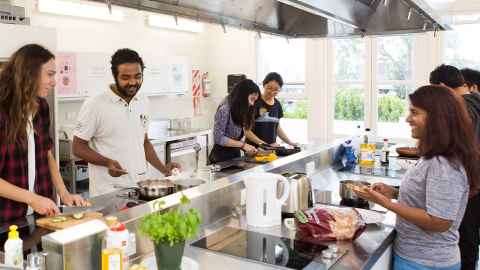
169	230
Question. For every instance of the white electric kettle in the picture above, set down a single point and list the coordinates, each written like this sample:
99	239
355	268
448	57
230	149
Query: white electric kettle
264	209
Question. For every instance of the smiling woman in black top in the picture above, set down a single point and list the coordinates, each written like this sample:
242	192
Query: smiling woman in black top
268	114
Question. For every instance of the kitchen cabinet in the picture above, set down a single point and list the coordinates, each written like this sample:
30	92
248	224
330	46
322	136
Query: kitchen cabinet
83	74
166	75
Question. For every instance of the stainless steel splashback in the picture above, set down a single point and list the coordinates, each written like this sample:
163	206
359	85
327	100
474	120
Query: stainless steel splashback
303	18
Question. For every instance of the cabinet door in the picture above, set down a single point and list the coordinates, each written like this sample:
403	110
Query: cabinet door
94	73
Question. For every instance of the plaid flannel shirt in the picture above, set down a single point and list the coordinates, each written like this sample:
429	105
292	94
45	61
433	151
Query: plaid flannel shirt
14	163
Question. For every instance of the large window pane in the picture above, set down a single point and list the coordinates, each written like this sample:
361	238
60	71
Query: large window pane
394	56
294	121
393	110
461	46
349	55
349	108
286	58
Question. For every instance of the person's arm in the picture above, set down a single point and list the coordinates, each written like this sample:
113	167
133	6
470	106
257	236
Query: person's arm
222	116
283	136
40	204
417	216
153	159
82	150
57	180
254	138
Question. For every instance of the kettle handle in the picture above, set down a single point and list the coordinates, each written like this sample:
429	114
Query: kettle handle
286	189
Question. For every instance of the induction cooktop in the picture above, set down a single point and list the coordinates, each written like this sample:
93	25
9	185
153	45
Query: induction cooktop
268	249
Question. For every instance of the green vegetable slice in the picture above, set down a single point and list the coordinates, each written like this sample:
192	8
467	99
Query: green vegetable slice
59	219
78	215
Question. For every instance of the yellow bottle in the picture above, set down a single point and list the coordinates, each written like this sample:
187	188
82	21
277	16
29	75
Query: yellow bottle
367	154
367	150
112	259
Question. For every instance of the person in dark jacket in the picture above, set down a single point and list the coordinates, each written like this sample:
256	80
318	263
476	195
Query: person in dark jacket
472	79
451	77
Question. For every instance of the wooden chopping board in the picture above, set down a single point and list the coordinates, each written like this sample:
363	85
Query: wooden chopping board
47	223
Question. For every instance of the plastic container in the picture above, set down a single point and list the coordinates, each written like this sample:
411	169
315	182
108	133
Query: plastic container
14	248
384	155
350	153
117	237
367	150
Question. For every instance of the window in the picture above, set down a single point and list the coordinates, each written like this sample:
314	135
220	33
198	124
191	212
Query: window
287	57
349	58
461	46
372	78
394	57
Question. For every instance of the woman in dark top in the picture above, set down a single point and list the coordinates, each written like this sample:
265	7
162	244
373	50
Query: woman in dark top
268	112
27	166
233	116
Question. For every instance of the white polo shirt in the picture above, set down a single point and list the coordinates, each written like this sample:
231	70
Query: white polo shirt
115	130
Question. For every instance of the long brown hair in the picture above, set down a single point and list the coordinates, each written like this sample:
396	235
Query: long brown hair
18	90
449	130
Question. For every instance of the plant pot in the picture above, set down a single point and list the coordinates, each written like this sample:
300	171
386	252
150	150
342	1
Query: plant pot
169	257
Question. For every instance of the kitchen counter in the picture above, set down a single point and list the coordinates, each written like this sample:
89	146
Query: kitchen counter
362	253
215	200
372	250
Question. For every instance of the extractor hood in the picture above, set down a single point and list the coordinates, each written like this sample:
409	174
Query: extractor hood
12	14
302	18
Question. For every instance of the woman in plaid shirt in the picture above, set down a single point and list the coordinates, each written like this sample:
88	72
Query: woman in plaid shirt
27	166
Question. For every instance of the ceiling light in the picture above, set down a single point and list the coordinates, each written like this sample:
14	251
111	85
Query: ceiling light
385	2
409	15
175	23
80	9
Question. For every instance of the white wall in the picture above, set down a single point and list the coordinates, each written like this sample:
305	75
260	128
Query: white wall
213	50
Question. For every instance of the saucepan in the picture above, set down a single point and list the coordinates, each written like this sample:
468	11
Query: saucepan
347	186
152	188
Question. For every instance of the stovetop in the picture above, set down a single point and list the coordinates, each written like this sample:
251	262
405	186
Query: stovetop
282	252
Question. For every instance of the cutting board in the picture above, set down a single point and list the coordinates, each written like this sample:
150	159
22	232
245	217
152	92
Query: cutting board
47	223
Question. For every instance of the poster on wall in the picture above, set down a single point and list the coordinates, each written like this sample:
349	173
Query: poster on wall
67	74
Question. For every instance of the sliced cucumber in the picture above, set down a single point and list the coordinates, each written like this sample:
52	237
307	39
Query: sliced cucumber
58	219
78	215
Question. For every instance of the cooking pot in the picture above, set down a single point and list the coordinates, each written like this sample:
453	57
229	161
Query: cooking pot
183	184
346	192
152	188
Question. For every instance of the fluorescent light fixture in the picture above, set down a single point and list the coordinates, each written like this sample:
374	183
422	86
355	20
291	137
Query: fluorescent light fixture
80	9
175	23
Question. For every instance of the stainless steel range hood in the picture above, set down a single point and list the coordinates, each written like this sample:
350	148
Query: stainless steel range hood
302	18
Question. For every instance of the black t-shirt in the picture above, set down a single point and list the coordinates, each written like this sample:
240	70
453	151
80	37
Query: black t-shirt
267	120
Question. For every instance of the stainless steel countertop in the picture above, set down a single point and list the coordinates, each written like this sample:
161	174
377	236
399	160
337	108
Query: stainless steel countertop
362	252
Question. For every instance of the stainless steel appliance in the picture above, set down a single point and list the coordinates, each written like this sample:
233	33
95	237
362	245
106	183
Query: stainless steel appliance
305	18
268	249
301	193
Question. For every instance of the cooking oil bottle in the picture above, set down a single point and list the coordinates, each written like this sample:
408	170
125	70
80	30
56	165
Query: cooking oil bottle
367	150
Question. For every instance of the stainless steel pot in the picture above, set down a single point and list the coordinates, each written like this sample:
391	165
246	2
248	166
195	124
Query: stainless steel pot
183	184
153	188
346	192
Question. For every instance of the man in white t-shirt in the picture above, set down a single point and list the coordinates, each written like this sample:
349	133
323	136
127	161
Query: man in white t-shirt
111	131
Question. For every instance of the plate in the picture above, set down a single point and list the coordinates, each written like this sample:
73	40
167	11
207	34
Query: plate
371	217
